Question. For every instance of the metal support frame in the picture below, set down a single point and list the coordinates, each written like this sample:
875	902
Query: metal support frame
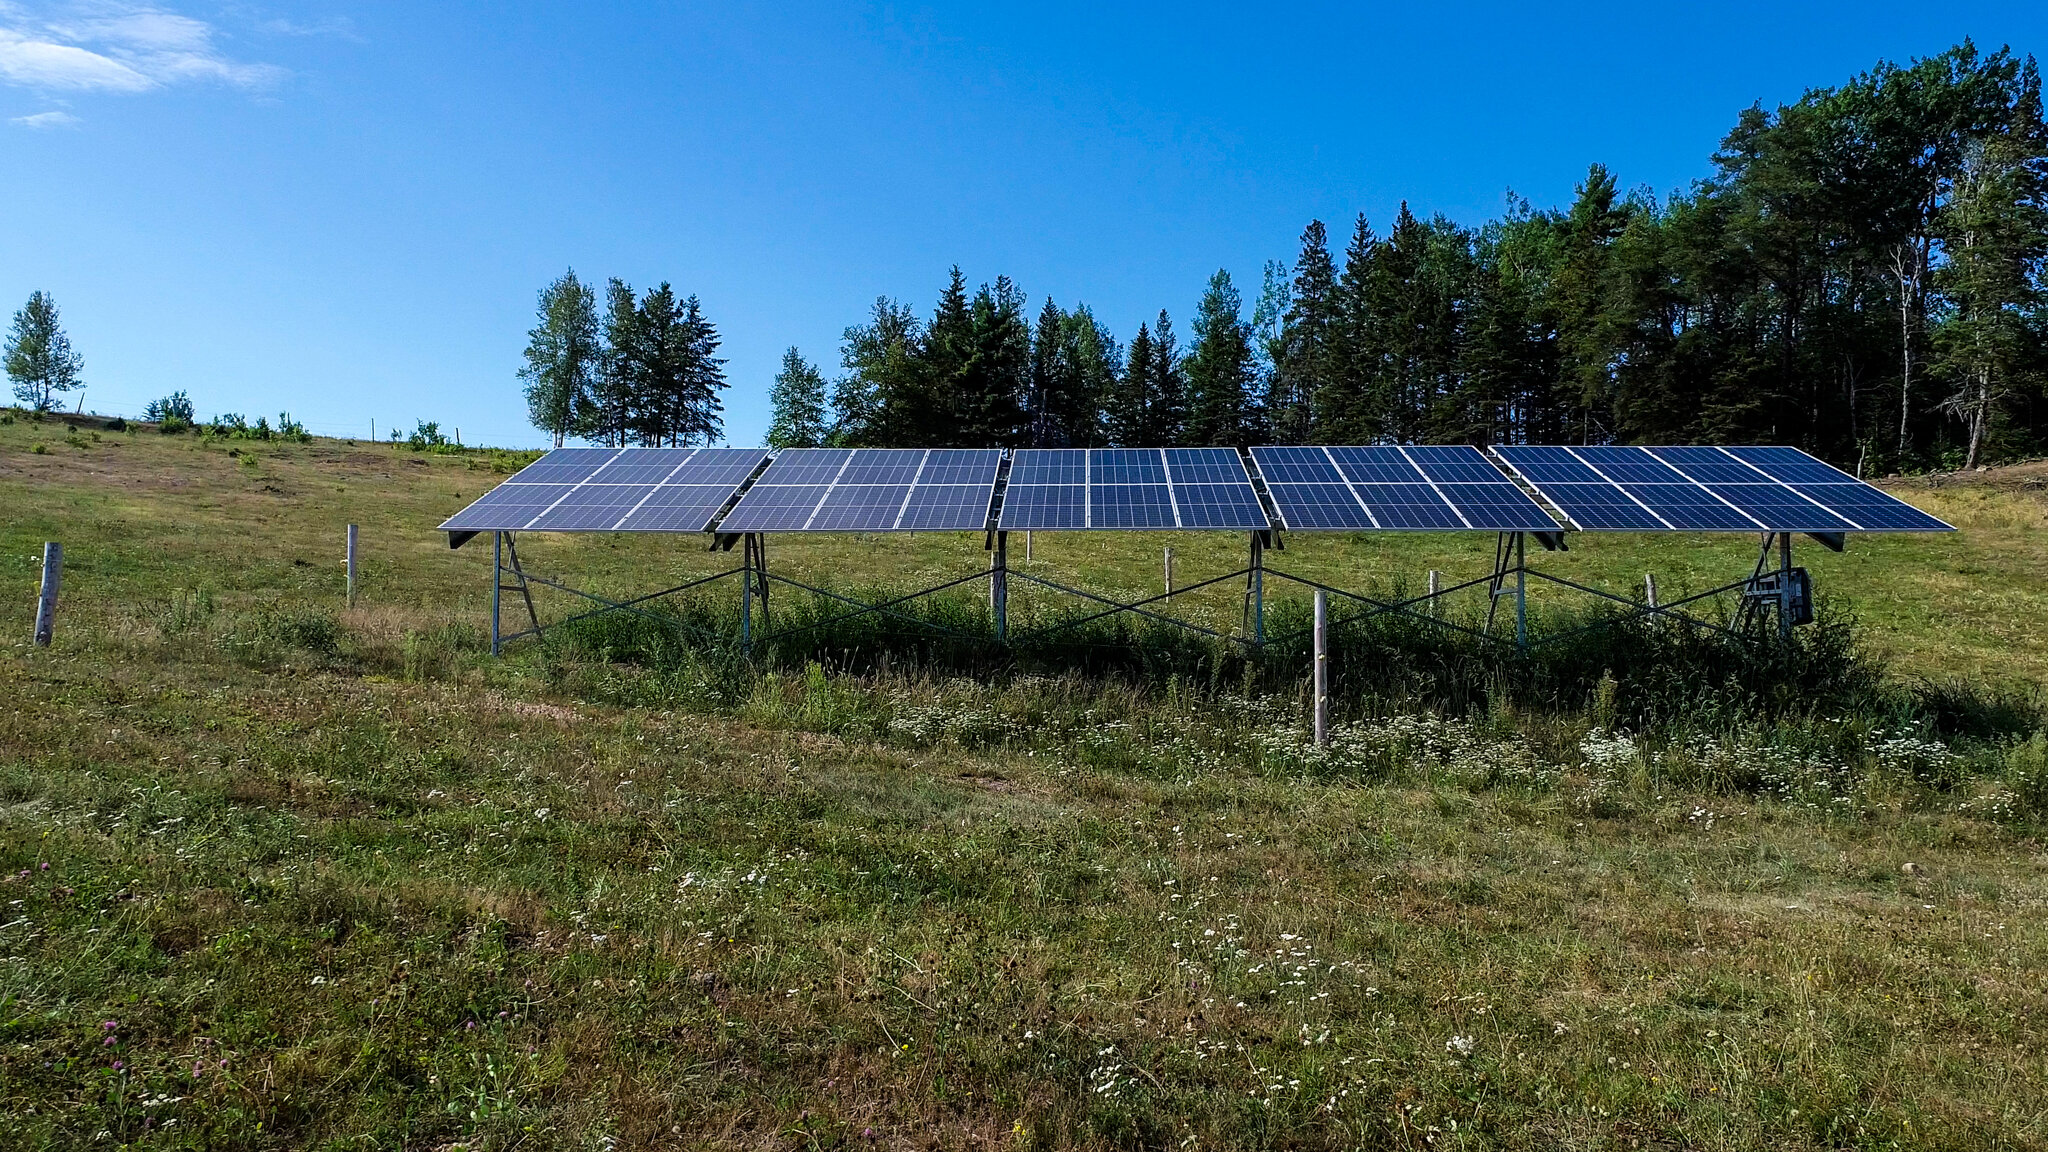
1765	589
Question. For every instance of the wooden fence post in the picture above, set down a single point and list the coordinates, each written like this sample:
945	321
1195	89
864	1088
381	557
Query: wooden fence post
1650	589
1169	575
46	603
351	565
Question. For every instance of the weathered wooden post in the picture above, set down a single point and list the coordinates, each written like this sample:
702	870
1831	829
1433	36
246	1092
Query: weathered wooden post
1322	670
1169	575
351	565
46	603
1650	590
1436	588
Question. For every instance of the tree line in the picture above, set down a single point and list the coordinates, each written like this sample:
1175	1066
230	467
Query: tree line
1862	275
646	372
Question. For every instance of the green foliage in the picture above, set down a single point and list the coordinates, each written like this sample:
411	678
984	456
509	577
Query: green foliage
562	357
38	355
798	400
175	409
426	434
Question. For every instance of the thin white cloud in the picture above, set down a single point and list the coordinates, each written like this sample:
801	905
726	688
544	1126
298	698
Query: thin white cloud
46	120
116	47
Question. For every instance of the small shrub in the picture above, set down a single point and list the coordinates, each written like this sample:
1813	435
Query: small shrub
2026	771
291	430
270	634
427	435
117	424
40	448
172	426
177	406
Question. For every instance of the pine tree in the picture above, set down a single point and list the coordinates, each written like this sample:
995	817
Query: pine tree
798	399
1219	368
990	386
38	354
662	387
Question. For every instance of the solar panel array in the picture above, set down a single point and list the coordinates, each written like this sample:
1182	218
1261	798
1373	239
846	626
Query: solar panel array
1423	488
1346	488
1708	489
614	490
870	490
1084	488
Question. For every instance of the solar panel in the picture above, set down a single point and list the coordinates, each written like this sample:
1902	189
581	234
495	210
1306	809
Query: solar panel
1700	488
1872	509
870	490
1152	488
1429	487
613	490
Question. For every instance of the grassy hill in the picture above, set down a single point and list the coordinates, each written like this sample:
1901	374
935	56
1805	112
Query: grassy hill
284	873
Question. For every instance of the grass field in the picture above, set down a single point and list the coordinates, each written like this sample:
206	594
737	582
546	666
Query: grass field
282	873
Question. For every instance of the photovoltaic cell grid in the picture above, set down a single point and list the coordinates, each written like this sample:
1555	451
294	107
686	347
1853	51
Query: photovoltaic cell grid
613	490
1188	488
870	490
1418	488
1708	489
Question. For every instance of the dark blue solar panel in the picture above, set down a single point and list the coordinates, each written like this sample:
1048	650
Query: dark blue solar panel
640	465
564	466
1308	507
882	466
676	508
1131	505
1220	506
1454	464
1412	506
1872	510
590	508
1498	506
805	466
1376	464
774	508
1688	507
1790	465
1126	466
961	466
1708	465
1205	466
1601	506
1295	465
1780	509
1628	466
946	506
726	466
1045	506
508	506
859	508
1049	466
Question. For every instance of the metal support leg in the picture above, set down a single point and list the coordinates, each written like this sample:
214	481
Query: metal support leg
1785	585
512	554
999	587
497	586
1258	579
761	562
1521	589
747	593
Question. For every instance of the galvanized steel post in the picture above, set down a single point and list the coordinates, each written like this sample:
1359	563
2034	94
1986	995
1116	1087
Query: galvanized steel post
46	602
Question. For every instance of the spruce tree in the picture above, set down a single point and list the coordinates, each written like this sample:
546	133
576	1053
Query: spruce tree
1219	368
1049	370
1127	407
701	417
798	400
1093	374
38	354
1166	414
1343	407
878	400
1303	359
562	357
608	414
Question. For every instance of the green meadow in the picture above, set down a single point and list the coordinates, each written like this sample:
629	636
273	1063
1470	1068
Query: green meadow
283	872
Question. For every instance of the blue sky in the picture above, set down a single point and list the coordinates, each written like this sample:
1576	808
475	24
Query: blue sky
345	210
